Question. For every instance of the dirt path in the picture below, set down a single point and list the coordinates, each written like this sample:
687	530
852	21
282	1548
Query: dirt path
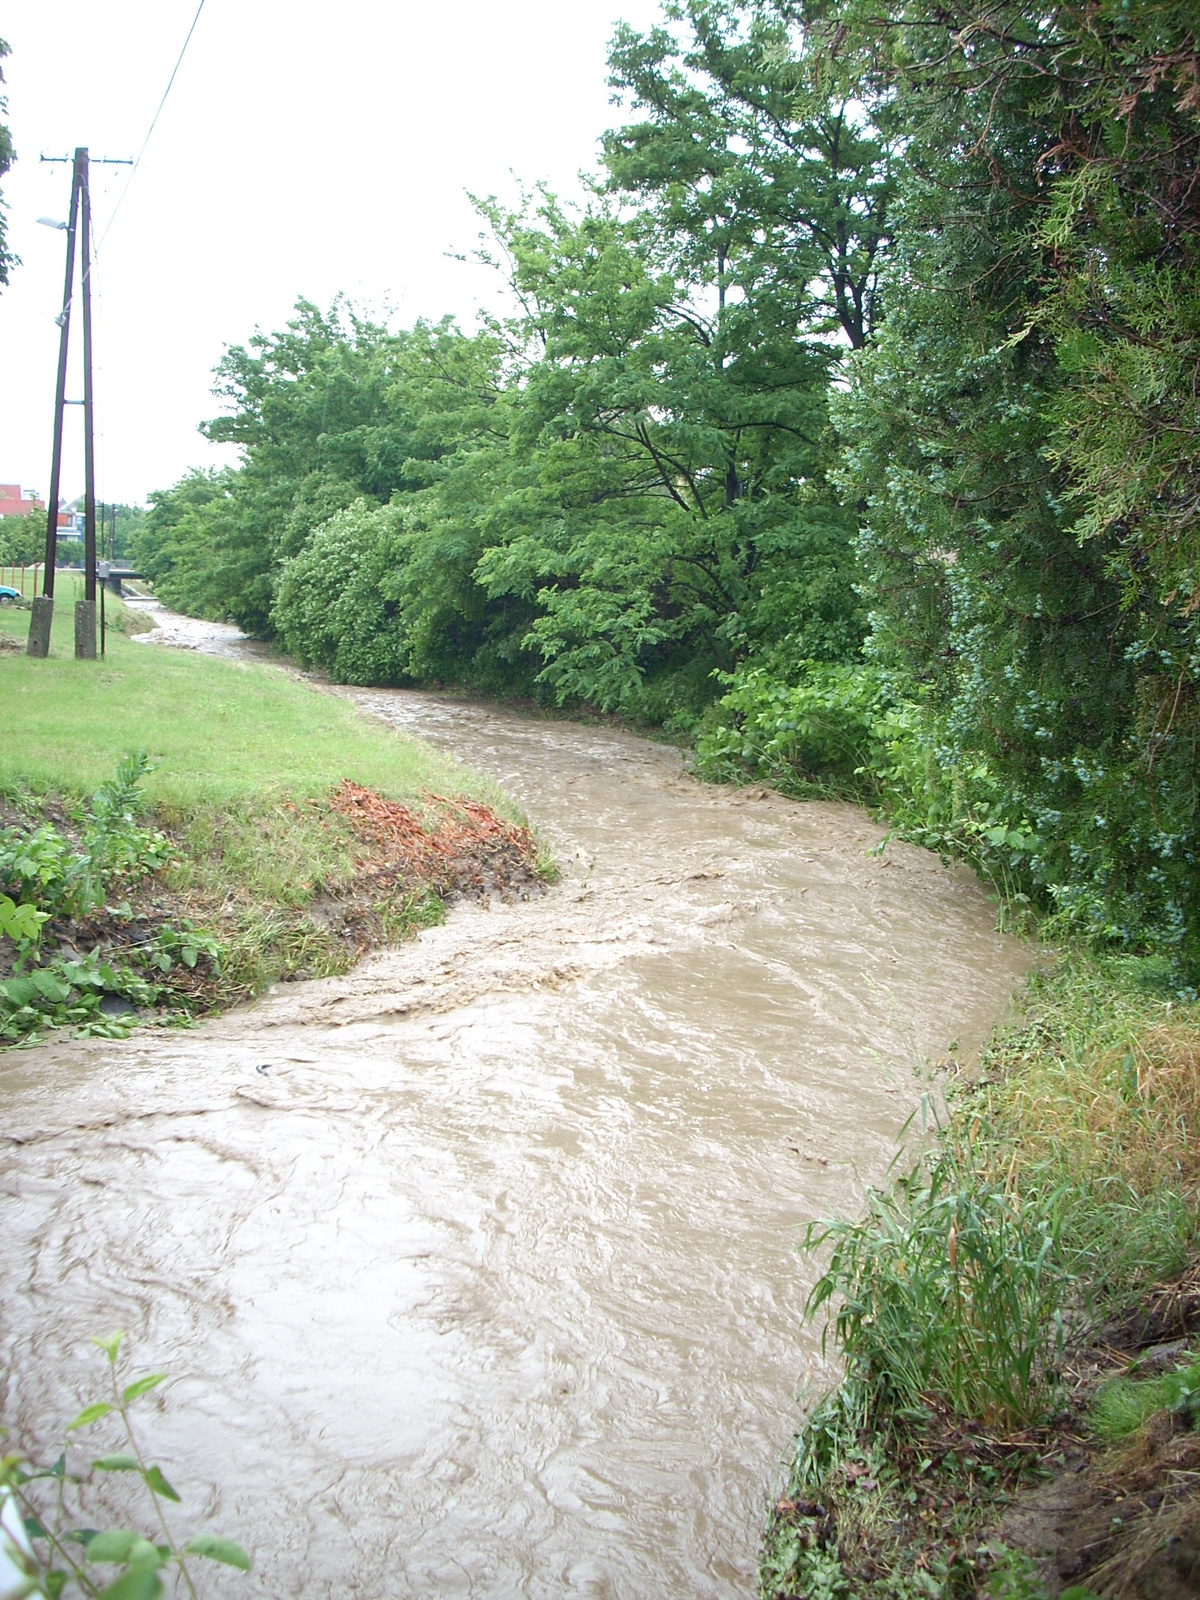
477	1265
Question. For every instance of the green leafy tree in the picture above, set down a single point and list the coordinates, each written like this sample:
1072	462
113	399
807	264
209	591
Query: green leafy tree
7	157
758	158
1023	435
672	510
22	539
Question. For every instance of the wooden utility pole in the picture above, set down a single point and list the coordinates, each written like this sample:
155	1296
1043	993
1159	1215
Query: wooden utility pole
85	609
43	606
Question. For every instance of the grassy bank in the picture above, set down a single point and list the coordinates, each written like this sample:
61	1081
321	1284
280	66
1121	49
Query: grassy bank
243	759
999	1430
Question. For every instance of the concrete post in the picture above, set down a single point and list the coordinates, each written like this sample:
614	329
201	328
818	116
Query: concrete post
85	630
42	615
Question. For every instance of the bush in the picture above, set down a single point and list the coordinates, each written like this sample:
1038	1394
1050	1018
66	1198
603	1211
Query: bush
1090	844
330	611
45	876
949	1290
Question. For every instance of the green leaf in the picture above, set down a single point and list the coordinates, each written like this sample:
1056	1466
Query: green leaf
110	1346
90	1414
114	1544
143	1386
117	1463
137	1583
80	1535
48	985
156	1482
54	1583
34	1529
208	1544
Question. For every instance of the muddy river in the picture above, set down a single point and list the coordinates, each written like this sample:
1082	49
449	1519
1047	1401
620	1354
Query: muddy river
476	1269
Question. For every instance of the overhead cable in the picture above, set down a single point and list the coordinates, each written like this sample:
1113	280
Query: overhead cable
153	124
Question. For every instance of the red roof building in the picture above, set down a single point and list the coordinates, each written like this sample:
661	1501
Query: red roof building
14	503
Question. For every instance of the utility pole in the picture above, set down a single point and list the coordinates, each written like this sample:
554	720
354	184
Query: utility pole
43	605
85	609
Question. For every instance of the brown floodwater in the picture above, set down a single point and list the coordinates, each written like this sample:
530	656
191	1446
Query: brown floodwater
476	1269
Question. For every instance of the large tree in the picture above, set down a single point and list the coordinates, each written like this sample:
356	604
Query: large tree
675	516
756	159
1024	435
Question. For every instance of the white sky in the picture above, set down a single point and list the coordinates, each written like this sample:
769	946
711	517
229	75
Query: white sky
304	149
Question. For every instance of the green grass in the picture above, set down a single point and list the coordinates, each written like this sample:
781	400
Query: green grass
244	755
219	733
1062	1187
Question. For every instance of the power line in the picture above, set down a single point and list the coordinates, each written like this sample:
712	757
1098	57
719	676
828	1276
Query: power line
154	123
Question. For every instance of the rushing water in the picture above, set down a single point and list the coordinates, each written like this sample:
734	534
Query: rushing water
476	1268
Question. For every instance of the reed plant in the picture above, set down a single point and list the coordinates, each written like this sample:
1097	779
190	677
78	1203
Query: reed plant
947	1293
1062	1185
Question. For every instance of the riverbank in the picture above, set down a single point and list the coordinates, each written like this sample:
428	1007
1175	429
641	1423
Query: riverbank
1015	1323
495	1232
242	864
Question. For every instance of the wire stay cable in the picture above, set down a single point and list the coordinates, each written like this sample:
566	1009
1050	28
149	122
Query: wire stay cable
153	124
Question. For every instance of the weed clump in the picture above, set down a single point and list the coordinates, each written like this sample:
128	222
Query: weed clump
988	1310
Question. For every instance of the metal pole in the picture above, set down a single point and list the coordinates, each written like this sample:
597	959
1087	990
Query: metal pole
43	607
85	609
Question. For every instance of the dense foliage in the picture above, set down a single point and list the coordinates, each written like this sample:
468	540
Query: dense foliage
22	539
851	424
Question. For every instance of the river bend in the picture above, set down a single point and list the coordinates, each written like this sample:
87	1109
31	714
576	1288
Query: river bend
476	1268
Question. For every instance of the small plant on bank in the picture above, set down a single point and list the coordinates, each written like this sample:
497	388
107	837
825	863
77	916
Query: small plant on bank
46	877
947	1288
46	1547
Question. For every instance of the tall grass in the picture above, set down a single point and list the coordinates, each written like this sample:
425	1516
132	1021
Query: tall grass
1061	1187
1096	1099
947	1292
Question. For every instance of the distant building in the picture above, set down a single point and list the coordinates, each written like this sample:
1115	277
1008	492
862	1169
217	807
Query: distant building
15	502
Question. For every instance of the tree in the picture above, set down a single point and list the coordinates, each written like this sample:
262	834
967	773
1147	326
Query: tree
753	151
22	539
7	157
674	510
1023	436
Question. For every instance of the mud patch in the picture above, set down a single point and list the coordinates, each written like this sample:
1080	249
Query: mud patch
461	848
1126	1525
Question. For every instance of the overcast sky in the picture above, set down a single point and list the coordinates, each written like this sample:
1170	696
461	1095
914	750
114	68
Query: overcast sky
304	149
